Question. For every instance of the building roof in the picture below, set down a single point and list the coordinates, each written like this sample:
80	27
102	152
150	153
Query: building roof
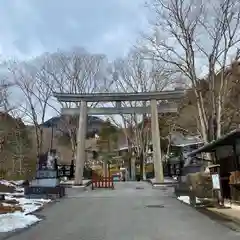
180	140
55	120
228	139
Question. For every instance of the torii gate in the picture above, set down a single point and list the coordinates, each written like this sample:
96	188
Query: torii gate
153	109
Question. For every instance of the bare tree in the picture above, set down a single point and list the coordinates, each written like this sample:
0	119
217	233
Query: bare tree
76	71
34	94
5	103
134	74
197	37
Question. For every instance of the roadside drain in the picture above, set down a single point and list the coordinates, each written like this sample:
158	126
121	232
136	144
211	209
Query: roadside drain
154	206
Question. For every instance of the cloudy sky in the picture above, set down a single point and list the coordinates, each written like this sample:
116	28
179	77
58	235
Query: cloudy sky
31	27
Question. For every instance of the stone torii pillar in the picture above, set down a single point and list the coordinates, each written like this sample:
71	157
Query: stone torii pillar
118	97
157	158
81	135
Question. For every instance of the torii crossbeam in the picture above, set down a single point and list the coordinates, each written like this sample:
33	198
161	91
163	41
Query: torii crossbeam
154	109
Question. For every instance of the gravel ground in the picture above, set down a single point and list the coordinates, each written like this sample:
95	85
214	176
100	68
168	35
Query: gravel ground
132	211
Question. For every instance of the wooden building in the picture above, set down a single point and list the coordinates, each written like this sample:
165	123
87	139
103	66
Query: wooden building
226	152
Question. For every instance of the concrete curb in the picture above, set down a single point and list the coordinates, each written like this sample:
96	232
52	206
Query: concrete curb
69	185
165	184
224	216
206	211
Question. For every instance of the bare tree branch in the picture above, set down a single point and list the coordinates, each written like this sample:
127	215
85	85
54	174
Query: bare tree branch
74	72
195	34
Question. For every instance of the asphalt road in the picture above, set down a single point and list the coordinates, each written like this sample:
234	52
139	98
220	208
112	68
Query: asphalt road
122	214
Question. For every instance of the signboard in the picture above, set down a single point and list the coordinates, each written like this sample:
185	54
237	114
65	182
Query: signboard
116	178
43	174
216	182
62	171
65	171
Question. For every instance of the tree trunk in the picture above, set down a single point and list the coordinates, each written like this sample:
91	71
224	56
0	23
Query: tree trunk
218	118
41	139
202	117
37	141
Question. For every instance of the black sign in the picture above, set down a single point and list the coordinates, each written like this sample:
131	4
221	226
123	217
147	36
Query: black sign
66	171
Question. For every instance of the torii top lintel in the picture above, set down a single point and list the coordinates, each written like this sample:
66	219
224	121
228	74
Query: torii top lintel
112	97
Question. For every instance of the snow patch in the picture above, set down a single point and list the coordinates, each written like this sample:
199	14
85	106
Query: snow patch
29	205
166	180
186	199
7	183
13	221
71	182
19	192
17	220
232	205
19	182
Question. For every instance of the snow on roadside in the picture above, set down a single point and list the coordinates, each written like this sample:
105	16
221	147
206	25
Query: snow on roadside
232	205
18	189
7	183
166	180
29	205
186	199
71	182
12	183
18	183
17	220
13	221
15	194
